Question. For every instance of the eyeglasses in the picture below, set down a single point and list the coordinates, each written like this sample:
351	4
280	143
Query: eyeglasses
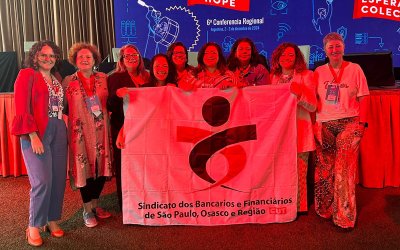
44	56
178	53
130	56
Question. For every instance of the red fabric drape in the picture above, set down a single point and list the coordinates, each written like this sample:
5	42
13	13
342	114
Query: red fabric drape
380	146
11	161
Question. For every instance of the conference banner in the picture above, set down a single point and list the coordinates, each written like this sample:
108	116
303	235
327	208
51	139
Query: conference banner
384	9
209	157
367	26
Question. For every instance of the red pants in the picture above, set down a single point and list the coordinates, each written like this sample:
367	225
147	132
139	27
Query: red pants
335	170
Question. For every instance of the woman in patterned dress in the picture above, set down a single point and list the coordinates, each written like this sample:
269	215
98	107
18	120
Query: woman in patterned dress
90	153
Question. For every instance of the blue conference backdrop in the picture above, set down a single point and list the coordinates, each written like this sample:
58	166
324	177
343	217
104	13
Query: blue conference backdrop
152	25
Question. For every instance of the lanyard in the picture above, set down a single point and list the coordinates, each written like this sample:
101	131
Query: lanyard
337	78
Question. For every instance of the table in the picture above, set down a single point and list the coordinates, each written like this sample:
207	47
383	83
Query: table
380	146
11	161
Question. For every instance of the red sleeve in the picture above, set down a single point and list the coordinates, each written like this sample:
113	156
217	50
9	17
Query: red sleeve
23	122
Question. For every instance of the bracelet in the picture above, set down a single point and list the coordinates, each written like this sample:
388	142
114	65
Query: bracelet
365	124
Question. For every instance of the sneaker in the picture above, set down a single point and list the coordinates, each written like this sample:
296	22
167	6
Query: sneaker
101	213
89	219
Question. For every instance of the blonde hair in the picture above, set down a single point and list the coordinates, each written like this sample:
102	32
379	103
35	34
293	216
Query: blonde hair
121	65
331	37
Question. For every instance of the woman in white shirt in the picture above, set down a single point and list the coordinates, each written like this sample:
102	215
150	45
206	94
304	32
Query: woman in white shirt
341	116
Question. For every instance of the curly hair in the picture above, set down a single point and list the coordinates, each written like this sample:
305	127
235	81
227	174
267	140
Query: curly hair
331	37
121	65
234	63
299	63
171	78
221	65
76	47
31	62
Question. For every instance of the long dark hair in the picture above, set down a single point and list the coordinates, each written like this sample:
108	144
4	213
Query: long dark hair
170	51
221	65
233	62
171	78
30	61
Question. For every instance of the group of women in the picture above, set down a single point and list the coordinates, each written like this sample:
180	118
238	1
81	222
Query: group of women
93	101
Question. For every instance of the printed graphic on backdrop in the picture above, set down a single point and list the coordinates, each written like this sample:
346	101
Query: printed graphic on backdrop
279	7
366	26
322	17
154	25
209	157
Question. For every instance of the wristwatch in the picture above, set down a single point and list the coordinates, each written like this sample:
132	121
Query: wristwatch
365	124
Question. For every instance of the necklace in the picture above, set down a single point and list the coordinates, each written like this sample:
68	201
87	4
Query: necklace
243	70
285	78
51	83
47	77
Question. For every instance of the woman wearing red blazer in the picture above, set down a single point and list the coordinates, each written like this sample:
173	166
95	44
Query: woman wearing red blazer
39	103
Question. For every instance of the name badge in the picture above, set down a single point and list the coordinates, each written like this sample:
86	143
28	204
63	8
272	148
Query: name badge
54	104
332	93
93	104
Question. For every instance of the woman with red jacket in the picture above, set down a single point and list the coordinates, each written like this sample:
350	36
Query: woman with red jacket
39	103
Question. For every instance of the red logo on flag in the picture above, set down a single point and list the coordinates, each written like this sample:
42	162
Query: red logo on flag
240	5
216	112
377	9
277	210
